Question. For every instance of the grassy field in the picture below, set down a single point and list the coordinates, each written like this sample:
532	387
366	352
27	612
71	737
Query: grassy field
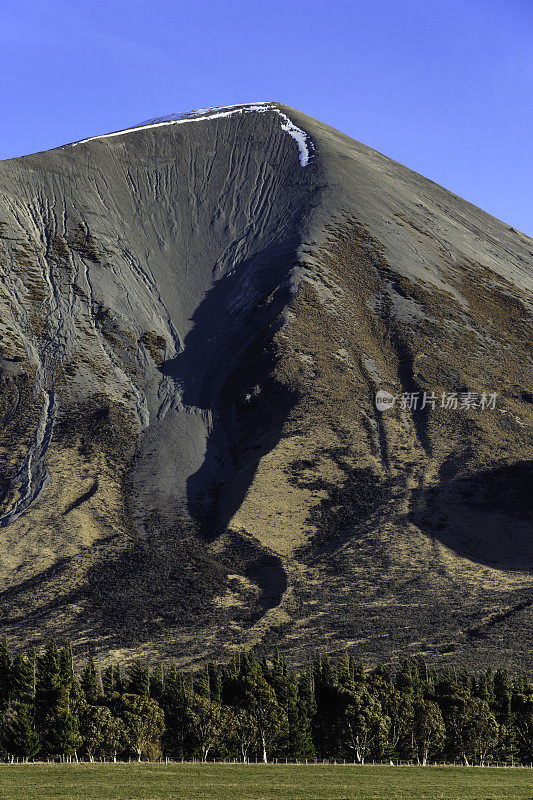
235	782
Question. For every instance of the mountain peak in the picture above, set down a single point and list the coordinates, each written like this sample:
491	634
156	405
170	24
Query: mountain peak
198	317
305	145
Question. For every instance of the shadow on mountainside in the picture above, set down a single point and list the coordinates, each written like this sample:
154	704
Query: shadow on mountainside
486	516
226	369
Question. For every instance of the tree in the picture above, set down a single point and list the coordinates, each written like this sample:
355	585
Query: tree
479	730
428	730
523	724
157	683
208	720
22	739
98	731
365	725
139	678
472	729
398	706
270	719
144	724
63	734
115	738
245	732
50	697
108	681
23	680
5	675
202	684
175	702
300	738
66	670
89	682
503	691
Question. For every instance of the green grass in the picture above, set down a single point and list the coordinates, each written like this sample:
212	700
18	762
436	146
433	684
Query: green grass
237	782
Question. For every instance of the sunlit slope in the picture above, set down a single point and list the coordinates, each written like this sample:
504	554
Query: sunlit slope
196	317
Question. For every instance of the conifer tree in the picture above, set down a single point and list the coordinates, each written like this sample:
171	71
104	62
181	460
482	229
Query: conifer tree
139	678
175	701
5	675
62	734
89	682
300	738
108	681
157	683
22	739
49	697
202	685
23	680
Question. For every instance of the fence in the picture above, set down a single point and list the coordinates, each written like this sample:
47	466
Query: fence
273	762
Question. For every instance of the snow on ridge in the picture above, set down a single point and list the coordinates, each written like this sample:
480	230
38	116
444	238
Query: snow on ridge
302	139
205	111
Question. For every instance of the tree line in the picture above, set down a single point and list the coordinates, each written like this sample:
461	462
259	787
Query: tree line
261	709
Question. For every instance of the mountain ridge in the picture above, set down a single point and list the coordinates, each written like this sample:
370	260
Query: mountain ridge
207	320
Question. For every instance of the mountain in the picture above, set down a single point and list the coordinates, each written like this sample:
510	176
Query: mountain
196	316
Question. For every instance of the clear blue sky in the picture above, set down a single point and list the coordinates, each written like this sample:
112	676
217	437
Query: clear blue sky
444	86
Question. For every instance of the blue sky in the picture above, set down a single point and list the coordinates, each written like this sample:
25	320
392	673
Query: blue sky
443	86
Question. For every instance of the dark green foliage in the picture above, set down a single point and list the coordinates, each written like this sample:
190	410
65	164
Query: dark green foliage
138	678
62	733
262	709
21	738
5	675
23	679
89	681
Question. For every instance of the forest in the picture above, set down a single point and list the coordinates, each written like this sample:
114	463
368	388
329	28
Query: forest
260	709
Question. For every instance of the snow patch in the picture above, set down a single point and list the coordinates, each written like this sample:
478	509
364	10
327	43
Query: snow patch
302	139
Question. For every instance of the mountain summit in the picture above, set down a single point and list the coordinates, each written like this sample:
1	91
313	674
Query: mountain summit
261	385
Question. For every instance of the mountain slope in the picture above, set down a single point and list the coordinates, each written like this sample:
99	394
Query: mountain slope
196	317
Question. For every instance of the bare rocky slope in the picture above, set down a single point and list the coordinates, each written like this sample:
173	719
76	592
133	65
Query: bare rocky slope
196	315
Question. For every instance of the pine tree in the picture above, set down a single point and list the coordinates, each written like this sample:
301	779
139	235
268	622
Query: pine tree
202	685
119	681
22	739
157	683
50	681
108	681
300	736
23	680
215	682
139	678
89	682
502	695
5	675
63	735
66	669
175	702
